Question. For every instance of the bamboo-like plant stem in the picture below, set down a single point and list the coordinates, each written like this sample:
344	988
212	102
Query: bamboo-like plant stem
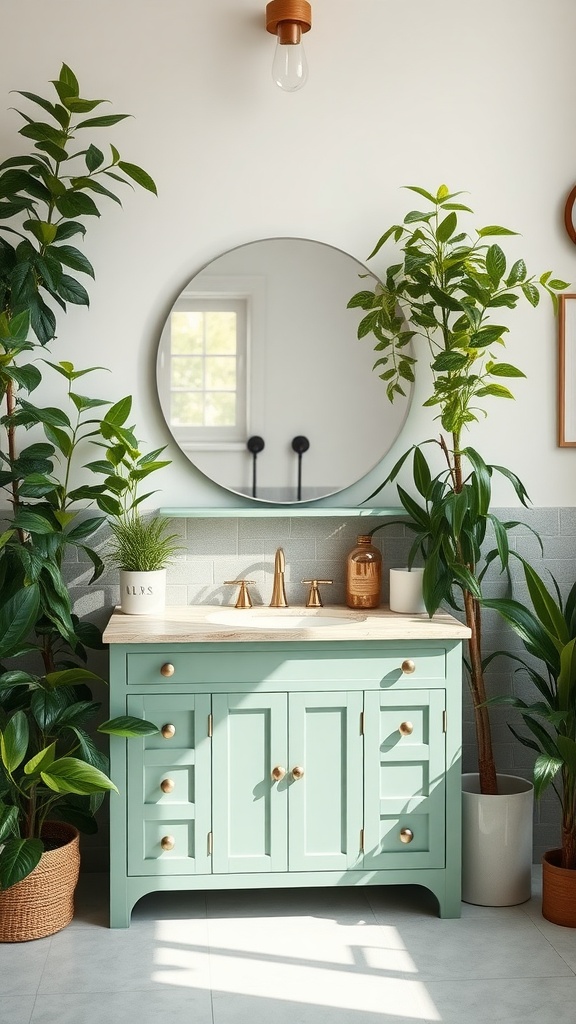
486	765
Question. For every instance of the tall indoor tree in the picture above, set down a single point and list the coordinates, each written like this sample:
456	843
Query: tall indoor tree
443	291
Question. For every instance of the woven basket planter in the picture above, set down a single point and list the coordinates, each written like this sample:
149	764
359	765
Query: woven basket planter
43	902
558	890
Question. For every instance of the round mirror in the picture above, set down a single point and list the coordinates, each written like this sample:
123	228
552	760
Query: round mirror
262	380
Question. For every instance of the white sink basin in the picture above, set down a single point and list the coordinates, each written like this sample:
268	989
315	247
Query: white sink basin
282	618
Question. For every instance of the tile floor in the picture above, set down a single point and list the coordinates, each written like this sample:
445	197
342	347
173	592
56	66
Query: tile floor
313	956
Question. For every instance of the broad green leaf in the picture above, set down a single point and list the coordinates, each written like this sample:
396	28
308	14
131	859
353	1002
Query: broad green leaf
119	412
106	121
68	78
94	157
504	370
415	511
138	175
545	607
86	528
517	273
32	522
72	291
525	624
494	390
364	300
495	229
76	204
17	618
495	264
19	858
73	258
43	759
14	741
70	775
447	227
126	725
71	677
480	481
531	292
446	362
422	476
545	770
422	192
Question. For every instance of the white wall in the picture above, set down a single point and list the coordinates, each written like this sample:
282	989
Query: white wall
481	96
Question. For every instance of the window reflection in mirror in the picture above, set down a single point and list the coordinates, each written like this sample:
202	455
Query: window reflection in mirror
260	342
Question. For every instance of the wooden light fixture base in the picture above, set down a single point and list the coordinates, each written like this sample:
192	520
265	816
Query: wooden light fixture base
288	19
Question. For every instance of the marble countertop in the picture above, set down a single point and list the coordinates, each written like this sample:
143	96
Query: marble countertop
200	624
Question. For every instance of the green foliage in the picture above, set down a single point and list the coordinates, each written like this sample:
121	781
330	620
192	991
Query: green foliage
444	290
44	193
47	758
548	633
141	545
49	765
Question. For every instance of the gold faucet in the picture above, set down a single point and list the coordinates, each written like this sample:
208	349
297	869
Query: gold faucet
278	590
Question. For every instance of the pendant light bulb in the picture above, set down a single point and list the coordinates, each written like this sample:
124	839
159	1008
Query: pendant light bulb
289	67
288	20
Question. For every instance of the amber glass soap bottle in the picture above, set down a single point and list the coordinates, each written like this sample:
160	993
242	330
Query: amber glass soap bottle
363	575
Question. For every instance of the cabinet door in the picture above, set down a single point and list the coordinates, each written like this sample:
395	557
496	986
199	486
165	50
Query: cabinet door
249	807
169	782
405	779
325	804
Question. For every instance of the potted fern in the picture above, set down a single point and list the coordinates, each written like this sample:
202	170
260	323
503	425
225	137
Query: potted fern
444	289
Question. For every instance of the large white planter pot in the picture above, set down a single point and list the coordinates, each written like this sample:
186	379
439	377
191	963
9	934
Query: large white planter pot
497	842
142	593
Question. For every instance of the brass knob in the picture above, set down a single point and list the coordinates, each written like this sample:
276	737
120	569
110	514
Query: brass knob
167	670
278	773
297	772
167	842
406	835
405	728
168	731
167	785
408	666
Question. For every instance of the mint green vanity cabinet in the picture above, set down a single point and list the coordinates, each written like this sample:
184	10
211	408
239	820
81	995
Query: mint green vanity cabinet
285	763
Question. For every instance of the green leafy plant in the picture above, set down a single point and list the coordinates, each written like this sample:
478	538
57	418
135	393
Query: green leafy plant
444	290
548	633
141	545
138	543
49	764
47	759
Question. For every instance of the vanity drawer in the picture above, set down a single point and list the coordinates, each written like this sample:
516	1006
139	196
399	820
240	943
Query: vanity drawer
380	668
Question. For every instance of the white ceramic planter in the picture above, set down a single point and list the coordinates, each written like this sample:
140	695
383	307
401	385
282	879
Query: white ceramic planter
406	591
497	842
142	593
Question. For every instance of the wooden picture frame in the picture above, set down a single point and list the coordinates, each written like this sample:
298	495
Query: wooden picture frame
567	371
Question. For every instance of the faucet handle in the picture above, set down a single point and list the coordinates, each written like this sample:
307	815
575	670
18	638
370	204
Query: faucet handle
243	600
314	600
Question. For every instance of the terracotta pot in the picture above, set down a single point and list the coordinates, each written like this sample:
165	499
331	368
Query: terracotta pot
558	890
43	902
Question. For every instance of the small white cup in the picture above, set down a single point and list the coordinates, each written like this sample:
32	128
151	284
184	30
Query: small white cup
406	591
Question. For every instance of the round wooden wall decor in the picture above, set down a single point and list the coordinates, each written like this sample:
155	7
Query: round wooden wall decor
568	215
